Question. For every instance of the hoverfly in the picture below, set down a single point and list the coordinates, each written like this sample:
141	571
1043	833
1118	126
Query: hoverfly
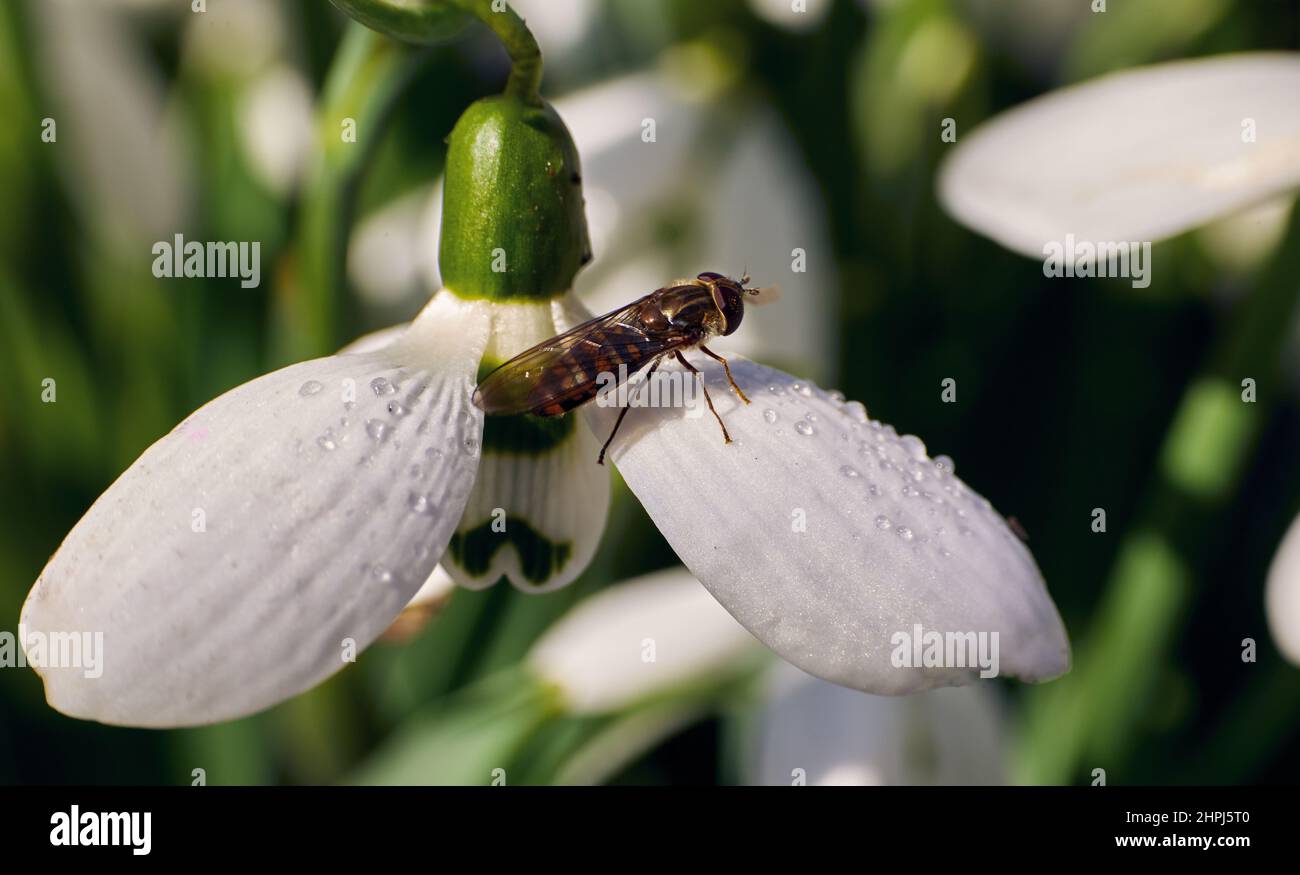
559	374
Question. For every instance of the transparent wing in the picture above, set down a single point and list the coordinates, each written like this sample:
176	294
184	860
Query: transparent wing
560	374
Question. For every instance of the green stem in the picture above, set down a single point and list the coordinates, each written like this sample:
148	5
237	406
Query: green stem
365	81
431	21
1088	719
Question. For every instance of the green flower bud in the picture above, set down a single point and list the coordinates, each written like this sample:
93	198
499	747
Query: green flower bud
513	226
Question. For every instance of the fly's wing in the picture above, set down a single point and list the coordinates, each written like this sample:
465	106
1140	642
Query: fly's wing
562	373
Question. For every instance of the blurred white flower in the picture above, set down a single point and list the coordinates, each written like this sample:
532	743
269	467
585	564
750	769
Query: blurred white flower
1139	155
117	144
795	15
276	127
817	733
635	640
1282	596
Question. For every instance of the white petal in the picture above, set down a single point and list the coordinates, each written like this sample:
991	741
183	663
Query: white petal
1282	597
538	507
639	638
891	539
827	735
1134	156
228	565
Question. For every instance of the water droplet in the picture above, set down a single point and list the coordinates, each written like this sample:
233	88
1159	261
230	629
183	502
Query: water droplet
913	445
965	530
396	409
874	490
945	465
849	471
376	429
418	503
471	445
811	417
311	387
769	415
836	396
381	386
326	442
382	574
907	490
855	411
803	427
903	532
883	523
945	552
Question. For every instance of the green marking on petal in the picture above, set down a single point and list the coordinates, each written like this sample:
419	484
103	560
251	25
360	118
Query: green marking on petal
524	435
539	556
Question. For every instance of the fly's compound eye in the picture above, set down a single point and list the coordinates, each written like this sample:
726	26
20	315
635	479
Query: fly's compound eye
731	304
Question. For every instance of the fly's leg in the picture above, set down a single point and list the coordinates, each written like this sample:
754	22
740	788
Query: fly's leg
600	460
726	367
696	371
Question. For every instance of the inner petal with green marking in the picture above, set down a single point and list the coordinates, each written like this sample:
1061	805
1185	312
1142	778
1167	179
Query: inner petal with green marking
538	507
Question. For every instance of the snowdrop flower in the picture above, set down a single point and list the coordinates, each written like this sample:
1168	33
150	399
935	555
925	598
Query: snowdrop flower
252	551
1138	155
816	733
1142	155
638	639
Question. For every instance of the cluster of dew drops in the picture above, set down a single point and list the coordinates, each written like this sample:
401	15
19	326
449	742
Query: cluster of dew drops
379	431
941	500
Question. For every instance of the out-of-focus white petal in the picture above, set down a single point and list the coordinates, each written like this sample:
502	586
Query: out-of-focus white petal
557	26
824	734
637	639
827	534
784	13
276	127
236	37
1134	156
1282	596
227	567
122	151
393	253
539	503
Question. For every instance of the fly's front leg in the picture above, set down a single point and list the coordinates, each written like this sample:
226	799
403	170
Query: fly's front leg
696	371
600	460
726	367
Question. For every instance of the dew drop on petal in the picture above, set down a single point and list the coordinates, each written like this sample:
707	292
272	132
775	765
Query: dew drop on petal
376	429
883	523
836	397
418	503
849	471
381	386
856	411
396	408
769	415
945	465
913	445
326	442
382	574
903	532
311	387
803	427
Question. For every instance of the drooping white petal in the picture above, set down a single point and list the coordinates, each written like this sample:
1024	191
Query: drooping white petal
539	503
636	639
428	600
828	535
822	734
281	527
1282	596
1134	156
276	127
